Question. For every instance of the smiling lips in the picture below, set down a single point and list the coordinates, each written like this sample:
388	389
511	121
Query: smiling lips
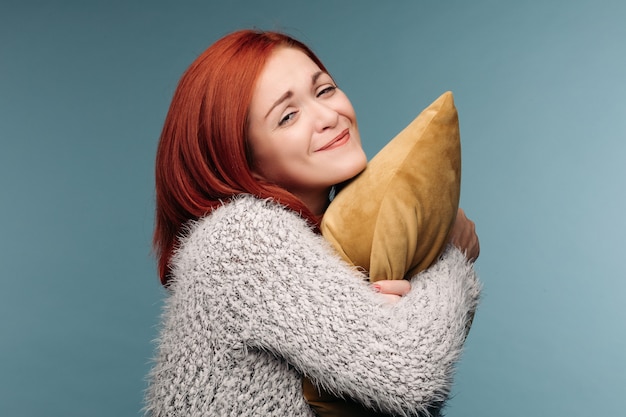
341	139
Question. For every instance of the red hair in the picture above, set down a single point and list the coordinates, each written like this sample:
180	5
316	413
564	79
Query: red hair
203	157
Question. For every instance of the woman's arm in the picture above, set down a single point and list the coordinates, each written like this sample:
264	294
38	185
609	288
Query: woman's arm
282	289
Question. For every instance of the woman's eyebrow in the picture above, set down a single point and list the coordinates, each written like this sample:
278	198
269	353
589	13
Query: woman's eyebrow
316	76
282	98
289	93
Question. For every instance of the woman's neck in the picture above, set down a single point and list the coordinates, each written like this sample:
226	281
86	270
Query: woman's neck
316	203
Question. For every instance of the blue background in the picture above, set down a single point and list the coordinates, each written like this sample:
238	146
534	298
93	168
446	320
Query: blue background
540	87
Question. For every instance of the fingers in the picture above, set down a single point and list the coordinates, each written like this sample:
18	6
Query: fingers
389	299
399	287
475	249
463	235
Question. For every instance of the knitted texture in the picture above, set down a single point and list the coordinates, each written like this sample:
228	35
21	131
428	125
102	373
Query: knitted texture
258	300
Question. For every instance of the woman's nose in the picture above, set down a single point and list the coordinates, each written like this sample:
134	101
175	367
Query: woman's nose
325	117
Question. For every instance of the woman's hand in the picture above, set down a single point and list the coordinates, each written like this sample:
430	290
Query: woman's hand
392	290
463	236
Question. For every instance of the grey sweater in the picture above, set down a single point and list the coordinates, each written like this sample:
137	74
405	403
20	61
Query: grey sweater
258	300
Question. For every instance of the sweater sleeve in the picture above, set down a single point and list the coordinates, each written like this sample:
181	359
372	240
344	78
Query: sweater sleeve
279	287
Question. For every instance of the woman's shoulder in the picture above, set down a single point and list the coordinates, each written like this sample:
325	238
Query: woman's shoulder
242	225
248	214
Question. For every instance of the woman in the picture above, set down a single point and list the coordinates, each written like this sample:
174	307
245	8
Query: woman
256	136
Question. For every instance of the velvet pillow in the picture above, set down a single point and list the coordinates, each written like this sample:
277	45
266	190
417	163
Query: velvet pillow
393	219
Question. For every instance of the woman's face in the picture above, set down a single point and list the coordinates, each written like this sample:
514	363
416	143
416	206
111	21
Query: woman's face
302	129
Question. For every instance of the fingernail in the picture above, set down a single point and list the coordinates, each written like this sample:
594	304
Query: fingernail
376	287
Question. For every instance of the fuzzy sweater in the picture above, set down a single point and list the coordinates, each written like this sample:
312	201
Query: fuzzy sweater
258	300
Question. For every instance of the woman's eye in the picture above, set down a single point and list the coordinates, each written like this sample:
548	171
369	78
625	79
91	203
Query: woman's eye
287	118
326	90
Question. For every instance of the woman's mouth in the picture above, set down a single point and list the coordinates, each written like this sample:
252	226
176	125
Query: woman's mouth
340	140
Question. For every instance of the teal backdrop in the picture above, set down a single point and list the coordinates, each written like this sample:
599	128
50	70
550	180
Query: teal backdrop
540	88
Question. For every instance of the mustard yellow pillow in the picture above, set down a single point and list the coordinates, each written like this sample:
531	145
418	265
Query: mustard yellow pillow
393	219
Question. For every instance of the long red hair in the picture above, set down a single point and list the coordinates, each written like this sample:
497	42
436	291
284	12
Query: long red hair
203	158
